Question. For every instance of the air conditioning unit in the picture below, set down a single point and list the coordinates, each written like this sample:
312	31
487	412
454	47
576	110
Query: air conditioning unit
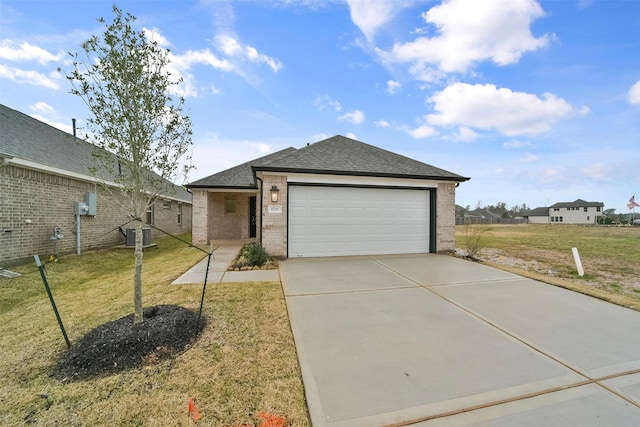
131	236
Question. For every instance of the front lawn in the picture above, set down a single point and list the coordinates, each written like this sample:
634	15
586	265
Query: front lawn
242	365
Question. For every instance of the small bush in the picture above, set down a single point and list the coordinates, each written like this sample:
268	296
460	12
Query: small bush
252	254
473	239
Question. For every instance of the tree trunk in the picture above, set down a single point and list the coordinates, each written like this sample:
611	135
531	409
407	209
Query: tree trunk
137	277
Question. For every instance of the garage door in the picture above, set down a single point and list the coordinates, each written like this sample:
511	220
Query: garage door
328	221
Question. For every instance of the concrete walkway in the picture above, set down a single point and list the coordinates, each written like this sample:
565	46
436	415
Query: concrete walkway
432	340
220	261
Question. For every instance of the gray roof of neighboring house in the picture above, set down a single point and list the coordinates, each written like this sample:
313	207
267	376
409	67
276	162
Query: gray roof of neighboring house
536	212
337	155
483	213
240	176
26	138
577	204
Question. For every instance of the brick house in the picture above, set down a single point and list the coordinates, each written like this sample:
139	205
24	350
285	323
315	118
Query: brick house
44	174
338	196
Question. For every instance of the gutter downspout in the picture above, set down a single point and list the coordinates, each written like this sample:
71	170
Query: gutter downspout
261	185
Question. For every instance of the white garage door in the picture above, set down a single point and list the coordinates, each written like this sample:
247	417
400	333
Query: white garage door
328	221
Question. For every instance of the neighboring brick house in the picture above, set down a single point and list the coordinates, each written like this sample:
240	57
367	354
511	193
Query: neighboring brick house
338	196
577	212
44	172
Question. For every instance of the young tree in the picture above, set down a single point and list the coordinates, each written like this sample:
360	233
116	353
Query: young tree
136	121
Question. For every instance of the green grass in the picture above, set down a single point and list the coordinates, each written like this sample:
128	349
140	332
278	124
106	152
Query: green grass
609	255
243	363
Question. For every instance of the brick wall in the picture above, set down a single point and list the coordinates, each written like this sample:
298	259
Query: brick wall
33	203
446	217
200	222
274	225
225	224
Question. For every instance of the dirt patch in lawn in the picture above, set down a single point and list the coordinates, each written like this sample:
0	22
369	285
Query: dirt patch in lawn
119	345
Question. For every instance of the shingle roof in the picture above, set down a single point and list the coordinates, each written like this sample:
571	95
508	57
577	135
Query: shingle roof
577	204
26	138
536	212
339	155
240	176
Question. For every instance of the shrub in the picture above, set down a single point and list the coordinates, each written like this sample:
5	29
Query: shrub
473	239
253	254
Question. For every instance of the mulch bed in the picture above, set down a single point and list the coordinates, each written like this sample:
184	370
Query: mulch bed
167	330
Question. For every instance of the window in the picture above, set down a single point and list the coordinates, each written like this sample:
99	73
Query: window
166	204
556	209
587	218
598	209
560	219
586	209
179	213
230	205
569	209
149	219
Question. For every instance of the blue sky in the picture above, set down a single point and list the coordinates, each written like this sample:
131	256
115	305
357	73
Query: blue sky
537	102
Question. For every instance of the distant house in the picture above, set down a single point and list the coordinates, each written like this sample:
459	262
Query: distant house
576	212
45	177
338	196
537	216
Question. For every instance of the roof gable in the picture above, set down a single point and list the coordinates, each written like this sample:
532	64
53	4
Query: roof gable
240	176
340	155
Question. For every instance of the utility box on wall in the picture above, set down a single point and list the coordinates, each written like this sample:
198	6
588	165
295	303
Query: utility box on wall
92	203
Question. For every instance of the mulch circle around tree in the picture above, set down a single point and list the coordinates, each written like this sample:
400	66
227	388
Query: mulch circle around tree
167	330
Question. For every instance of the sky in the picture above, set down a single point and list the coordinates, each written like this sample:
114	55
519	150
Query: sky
537	102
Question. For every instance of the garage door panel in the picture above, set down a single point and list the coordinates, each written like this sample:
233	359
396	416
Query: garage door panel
326	221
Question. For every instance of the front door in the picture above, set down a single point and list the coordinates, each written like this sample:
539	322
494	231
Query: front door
252	216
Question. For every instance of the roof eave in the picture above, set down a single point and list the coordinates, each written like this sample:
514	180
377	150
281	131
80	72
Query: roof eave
352	173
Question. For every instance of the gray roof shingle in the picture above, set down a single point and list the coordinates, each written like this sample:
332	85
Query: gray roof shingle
26	138
240	176
340	155
577	204
337	155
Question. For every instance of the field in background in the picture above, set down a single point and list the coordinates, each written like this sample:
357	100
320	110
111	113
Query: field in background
610	256
243	364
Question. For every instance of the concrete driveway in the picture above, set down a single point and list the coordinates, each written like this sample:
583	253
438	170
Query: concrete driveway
432	340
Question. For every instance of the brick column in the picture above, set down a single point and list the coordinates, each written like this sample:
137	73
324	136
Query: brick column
274	225
446	217
200	217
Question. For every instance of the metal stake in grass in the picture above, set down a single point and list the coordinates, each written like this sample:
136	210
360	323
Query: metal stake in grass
53	303
204	286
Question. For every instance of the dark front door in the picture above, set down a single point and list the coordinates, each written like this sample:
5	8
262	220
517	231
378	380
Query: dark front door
252	216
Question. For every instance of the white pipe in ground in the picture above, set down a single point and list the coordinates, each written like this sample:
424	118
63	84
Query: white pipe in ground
576	257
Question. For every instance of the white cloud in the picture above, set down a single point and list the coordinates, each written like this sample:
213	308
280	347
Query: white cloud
31	77
392	87
634	94
153	34
351	135
325	102
355	117
422	132
487	107
369	15
233	48
470	31
465	135
528	158
382	123
320	136
42	107
11	51
65	127
515	144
